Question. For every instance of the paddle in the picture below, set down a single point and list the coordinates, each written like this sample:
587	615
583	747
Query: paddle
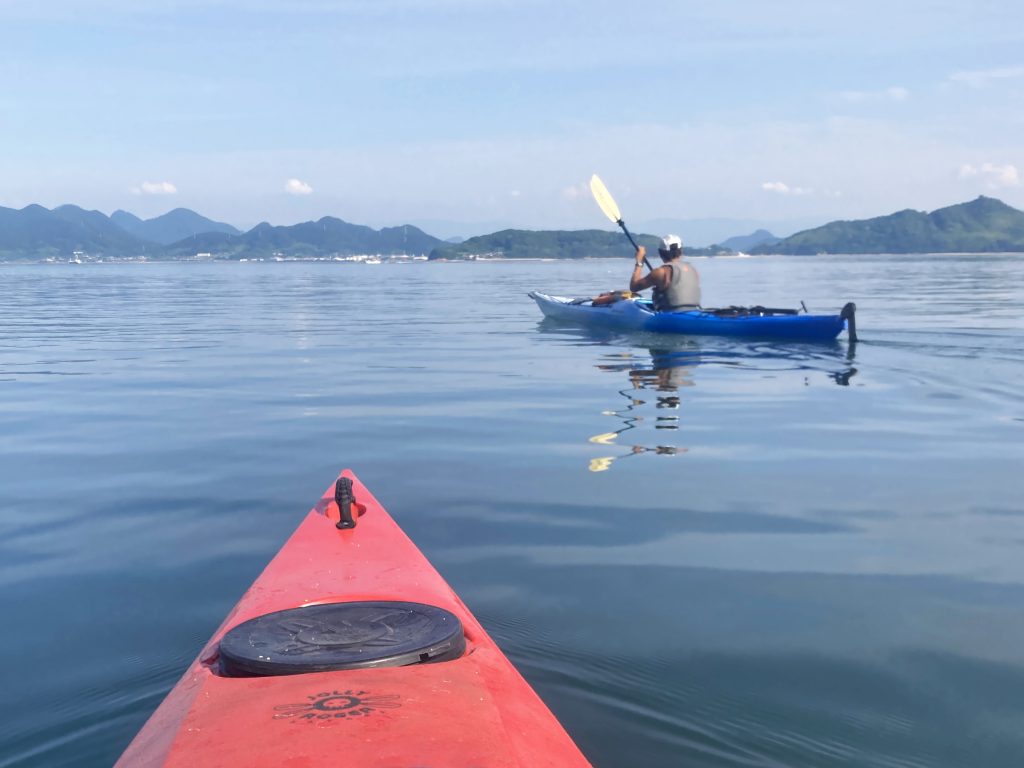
611	210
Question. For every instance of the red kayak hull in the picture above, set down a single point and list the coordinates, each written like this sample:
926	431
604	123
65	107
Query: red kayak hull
475	710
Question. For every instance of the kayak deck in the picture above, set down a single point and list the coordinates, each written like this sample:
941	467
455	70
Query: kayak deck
472	710
639	315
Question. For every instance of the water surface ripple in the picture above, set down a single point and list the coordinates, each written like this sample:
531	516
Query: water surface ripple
701	552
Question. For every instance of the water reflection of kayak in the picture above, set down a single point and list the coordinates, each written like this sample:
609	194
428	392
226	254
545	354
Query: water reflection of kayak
753	322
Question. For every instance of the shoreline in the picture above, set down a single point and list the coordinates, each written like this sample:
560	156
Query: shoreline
529	260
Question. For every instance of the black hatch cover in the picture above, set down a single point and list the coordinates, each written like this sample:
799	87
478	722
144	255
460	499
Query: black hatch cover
333	636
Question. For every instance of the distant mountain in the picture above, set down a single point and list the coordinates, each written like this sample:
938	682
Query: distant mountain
746	242
982	225
170	227
554	244
327	237
716	230
446	228
37	233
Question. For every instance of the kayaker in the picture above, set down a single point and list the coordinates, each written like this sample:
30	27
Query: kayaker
676	284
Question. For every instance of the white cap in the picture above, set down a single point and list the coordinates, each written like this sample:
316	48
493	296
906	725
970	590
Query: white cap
669	240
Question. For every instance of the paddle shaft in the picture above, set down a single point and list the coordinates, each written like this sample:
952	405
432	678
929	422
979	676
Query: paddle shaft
622	224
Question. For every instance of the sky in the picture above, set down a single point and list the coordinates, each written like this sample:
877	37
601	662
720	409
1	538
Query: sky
466	116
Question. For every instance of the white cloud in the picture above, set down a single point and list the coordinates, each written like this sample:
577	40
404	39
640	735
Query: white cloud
893	93
995	176
297	187
155	188
576	192
982	78
781	188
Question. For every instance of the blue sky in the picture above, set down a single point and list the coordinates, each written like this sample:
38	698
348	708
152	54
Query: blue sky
472	115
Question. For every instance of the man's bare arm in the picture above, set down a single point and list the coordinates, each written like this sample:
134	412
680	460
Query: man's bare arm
639	281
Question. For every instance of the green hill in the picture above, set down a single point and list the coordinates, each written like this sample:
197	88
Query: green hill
170	227
34	232
554	244
327	237
753	240
979	226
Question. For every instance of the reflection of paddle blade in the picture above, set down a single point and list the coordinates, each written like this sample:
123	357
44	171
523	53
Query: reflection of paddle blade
601	464
604	199
608	438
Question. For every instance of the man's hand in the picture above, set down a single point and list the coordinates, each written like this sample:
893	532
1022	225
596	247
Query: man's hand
638	282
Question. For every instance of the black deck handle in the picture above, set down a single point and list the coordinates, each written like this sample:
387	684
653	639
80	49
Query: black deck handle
345	498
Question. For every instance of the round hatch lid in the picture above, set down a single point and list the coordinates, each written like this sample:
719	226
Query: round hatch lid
333	636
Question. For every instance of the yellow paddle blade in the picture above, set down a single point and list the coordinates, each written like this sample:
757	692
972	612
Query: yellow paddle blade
608	438
600	465
604	199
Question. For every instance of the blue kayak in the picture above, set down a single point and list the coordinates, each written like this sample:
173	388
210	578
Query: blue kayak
754	322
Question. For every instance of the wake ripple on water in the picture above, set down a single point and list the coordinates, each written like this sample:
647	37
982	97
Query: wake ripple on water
700	551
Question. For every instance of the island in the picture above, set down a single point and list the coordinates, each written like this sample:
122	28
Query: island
69	233
984	225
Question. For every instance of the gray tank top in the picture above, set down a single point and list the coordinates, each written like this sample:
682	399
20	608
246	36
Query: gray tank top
683	290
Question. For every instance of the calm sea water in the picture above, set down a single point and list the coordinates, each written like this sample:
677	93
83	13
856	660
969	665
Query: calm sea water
701	552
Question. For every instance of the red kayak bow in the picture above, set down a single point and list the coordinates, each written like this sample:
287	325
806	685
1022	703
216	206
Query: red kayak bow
350	649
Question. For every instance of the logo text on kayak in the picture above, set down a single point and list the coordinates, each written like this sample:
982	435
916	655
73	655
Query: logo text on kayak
337	705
